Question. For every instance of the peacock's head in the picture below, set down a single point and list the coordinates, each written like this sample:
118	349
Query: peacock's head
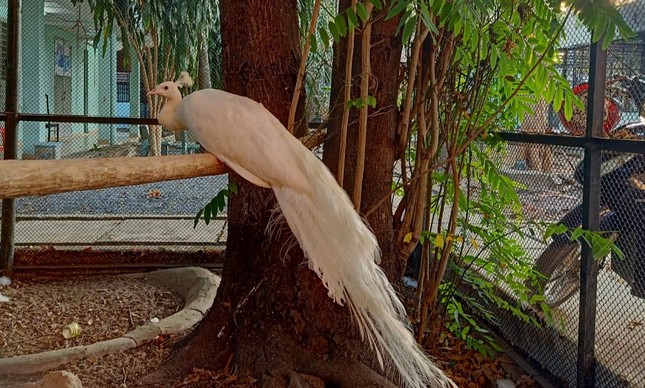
167	89
170	89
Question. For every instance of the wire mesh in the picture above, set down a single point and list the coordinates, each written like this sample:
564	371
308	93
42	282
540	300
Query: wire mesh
65	71
547	192
68	67
621	284
552	193
552	178
621	281
3	75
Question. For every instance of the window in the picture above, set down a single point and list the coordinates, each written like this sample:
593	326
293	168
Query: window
122	87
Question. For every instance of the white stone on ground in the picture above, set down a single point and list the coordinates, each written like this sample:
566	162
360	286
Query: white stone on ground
58	379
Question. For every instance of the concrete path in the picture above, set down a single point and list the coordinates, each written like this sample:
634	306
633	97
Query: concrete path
97	232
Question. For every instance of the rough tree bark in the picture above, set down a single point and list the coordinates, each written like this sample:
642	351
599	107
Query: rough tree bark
271	316
385	59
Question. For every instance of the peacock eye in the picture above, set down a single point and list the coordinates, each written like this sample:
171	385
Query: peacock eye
165	87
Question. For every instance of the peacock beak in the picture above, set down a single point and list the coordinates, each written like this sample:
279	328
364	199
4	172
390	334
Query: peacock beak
153	92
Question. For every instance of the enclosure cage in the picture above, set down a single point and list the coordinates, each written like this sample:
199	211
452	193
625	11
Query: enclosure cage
595	334
101	109
80	98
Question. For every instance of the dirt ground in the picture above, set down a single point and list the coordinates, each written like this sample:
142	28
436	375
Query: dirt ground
121	370
109	306
104	307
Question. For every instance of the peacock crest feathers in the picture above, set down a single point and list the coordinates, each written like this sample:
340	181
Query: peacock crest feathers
184	80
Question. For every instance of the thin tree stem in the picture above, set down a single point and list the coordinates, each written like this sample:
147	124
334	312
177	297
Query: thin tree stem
301	70
404	130
362	126
342	149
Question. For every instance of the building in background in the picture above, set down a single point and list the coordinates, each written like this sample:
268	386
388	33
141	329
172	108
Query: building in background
61	72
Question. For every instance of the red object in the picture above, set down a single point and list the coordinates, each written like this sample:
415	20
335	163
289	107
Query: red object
576	126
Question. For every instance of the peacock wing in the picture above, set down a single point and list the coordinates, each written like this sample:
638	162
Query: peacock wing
249	139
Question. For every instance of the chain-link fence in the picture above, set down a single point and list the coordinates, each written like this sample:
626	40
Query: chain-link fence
83	94
553	193
595	182
86	97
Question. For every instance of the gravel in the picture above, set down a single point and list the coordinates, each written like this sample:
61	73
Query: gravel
105	307
180	197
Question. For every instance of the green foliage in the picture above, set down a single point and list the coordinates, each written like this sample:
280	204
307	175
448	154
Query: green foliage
341	24
601	245
216	205
515	42
318	77
502	61
490	255
463	324
359	103
174	24
601	17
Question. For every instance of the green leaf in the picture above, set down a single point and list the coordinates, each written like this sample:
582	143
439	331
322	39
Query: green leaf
371	101
568	108
352	19
457	26
494	54
576	233
334	31
554	229
599	248
599	29
339	21
324	36
207	214
220	204
437	6
313	45
409	28
377	4
362	11
197	217
609	36
397	8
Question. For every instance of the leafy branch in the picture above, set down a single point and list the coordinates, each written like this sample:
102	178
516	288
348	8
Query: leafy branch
216	205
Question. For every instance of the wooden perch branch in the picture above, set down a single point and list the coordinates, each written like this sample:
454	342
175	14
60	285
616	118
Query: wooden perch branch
19	178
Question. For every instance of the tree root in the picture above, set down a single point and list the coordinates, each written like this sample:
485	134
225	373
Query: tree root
342	372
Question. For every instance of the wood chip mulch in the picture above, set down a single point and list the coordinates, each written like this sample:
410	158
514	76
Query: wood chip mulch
109	306
105	307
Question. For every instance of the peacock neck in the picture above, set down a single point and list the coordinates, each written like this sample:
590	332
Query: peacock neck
167	117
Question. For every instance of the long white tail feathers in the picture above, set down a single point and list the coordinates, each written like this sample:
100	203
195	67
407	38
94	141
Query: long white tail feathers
344	252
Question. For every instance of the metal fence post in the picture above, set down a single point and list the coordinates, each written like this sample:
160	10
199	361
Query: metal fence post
11	133
586	374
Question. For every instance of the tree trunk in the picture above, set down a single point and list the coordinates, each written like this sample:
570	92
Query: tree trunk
204	65
385	59
271	316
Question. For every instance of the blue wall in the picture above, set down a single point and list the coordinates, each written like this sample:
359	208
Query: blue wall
37	73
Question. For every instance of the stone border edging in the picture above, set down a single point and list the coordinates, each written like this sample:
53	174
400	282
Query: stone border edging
197	286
